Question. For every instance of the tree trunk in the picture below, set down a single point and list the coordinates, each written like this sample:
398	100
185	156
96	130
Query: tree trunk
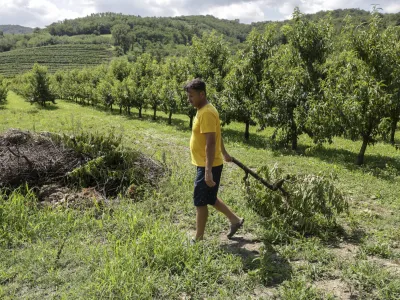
154	113
294	135
120	110
129	110
360	157
247	132
294	141
191	122
140	112
393	129
170	118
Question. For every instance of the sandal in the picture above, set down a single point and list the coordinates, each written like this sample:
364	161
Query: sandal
234	228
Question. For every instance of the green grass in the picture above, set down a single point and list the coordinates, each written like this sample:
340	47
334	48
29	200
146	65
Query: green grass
55	57
139	250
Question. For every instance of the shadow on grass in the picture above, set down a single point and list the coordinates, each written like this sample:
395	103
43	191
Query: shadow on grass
356	236
49	107
336	235
274	269
179	124
234	136
380	166
286	151
161	117
35	107
239	248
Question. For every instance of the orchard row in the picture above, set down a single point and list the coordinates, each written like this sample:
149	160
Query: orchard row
310	81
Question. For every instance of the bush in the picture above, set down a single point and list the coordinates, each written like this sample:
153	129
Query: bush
3	90
35	86
111	169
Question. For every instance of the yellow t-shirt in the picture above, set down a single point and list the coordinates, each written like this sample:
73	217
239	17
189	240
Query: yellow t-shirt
206	120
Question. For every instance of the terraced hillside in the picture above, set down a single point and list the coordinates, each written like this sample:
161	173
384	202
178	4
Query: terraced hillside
55	57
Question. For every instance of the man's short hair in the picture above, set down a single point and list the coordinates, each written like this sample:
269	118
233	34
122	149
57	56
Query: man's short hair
197	85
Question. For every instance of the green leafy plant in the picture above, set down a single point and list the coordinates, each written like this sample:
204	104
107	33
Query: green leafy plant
110	168
244	92
371	280
354	101
312	203
36	86
293	76
3	90
300	289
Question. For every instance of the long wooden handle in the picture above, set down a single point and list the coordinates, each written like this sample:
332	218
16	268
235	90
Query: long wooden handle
274	187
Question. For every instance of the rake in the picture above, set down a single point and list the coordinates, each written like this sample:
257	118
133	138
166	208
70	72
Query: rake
278	185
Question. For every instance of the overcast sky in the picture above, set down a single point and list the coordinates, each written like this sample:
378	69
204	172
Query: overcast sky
40	13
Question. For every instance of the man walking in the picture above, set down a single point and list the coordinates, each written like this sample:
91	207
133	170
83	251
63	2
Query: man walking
207	149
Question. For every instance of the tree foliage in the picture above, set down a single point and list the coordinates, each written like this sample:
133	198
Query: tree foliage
143	75
360	88
294	75
209	56
244	90
3	90
355	101
36	86
123	36
380	50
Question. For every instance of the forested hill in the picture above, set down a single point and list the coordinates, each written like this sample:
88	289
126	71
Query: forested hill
15	29
178	30
358	15
339	14
181	29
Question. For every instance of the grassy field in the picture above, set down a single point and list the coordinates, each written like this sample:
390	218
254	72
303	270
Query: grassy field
54	57
140	251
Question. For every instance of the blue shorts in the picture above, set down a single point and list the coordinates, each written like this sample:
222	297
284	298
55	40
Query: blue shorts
203	194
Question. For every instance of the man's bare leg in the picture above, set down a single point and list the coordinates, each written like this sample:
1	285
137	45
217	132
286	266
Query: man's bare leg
223	208
201	220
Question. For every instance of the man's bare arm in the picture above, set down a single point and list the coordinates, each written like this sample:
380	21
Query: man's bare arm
227	157
210	156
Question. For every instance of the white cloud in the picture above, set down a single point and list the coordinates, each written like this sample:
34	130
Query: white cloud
286	9
38	13
393	7
313	6
247	12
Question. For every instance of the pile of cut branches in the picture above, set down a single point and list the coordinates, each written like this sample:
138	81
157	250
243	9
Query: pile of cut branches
34	159
301	203
80	161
